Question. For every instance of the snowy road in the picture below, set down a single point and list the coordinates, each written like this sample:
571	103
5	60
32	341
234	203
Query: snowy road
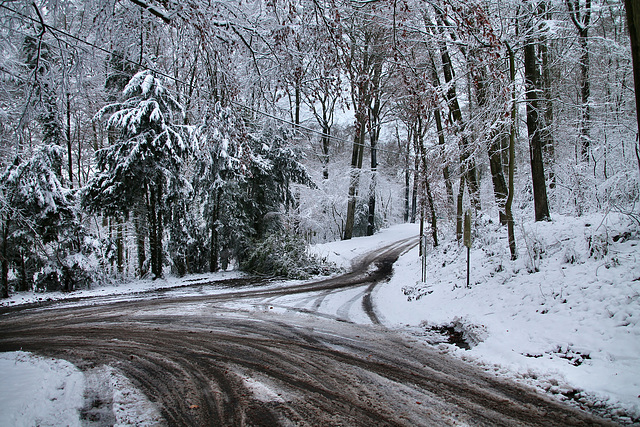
276	355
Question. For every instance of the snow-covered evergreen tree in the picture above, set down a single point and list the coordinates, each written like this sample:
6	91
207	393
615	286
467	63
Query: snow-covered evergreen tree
42	236
139	173
222	161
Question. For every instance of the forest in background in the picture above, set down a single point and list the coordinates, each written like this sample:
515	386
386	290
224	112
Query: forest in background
140	137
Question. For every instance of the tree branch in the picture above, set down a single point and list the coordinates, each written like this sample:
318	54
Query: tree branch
143	4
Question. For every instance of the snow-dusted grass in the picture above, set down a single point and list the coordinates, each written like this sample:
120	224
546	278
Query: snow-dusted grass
564	315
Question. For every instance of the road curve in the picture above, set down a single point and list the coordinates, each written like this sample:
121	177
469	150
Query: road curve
203	361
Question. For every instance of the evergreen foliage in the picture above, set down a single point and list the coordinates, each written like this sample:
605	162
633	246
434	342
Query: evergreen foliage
140	172
42	235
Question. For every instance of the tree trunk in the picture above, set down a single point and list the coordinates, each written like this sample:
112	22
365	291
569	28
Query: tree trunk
298	100
441	142
356	166
213	249
414	197
68	135
585	91
512	149
467	162
445	166
432	211
140	242
372	204
532	80
494	148
375	132
119	244
407	192
581	19
326	140
4	258
548	141
152	218
497	177
460	209
633	23
159	258
407	173
155	195
214	243
23	283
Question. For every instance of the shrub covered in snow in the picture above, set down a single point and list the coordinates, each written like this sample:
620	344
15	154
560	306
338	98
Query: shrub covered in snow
284	255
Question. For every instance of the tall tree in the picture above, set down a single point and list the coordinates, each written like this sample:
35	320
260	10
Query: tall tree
581	18
532	84
140	170
633	23
468	175
363	62
40	222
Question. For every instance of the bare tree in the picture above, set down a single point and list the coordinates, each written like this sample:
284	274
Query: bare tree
581	18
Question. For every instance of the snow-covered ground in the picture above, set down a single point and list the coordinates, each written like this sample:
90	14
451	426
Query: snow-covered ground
125	290
38	391
563	316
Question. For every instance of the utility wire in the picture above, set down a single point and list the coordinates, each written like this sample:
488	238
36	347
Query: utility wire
175	79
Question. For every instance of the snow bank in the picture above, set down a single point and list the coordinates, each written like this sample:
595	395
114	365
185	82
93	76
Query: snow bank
39	391
564	315
121	289
344	252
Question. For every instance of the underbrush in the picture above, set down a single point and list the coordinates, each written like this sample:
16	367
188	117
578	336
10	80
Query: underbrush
285	255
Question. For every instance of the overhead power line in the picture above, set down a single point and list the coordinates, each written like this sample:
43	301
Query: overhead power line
297	127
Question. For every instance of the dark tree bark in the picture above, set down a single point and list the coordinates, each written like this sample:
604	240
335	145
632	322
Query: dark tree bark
460	209
414	197
4	259
372	187
159	253
214	249
119	244
512	144
68	138
359	95
407	173
494	148
441	141
446	173
152	218
532	81
326	142
467	162
140	243
374	135
156	225
356	165
633	23
425	179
